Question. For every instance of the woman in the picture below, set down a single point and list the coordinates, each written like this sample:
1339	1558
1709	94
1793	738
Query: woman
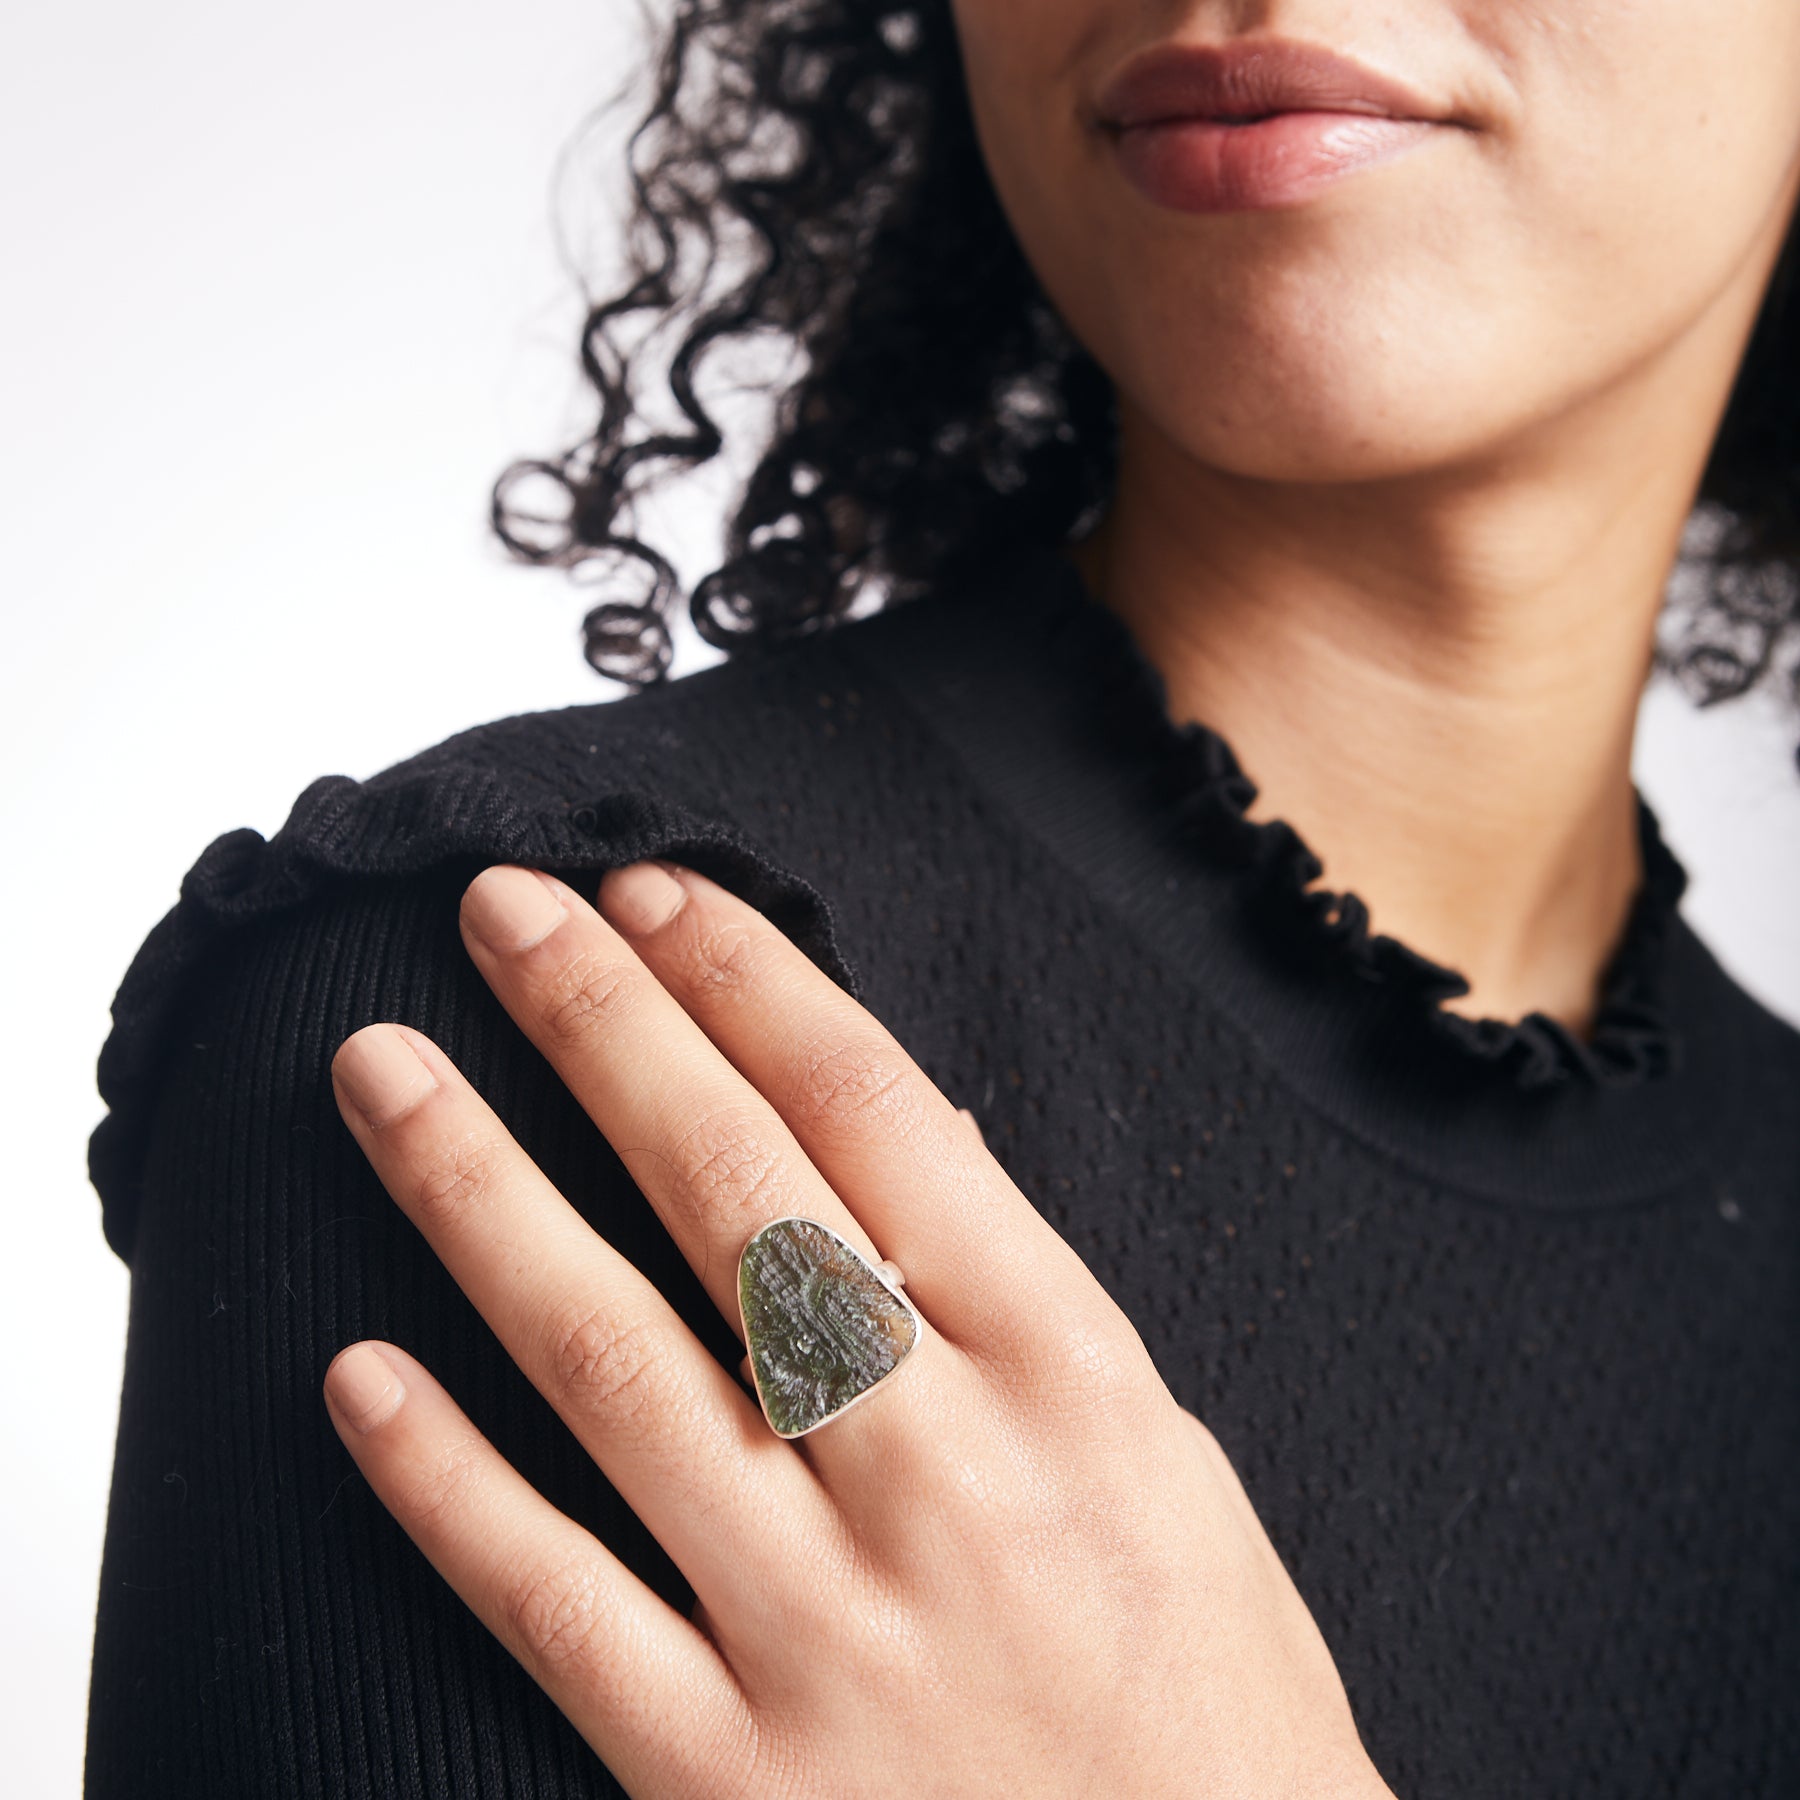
1356	1352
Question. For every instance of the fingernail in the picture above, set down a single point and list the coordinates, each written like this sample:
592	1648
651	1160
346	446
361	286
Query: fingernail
381	1074
510	908
640	897
364	1386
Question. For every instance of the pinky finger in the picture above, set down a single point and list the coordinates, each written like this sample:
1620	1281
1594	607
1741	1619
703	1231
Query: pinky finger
645	1687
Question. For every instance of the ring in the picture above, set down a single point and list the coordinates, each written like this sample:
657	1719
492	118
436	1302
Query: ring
824	1327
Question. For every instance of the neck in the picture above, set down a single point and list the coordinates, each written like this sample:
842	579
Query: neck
1434	679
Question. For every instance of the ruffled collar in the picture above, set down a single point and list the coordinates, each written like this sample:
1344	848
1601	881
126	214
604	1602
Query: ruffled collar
1206	795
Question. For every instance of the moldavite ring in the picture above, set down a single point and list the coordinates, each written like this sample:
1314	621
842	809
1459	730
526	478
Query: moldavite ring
824	1327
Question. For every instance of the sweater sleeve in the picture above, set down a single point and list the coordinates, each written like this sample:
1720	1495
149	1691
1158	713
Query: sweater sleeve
264	1627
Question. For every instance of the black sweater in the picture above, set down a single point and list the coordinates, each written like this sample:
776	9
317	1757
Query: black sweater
1501	1329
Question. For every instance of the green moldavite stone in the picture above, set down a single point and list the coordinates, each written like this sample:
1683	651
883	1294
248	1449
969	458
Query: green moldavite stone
821	1326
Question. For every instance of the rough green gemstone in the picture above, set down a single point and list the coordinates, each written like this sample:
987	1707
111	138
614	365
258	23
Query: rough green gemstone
821	1326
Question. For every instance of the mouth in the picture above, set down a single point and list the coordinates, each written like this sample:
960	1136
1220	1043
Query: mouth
1255	123
1249	81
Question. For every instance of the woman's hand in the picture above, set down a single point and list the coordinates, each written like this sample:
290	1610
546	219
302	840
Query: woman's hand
1019	1567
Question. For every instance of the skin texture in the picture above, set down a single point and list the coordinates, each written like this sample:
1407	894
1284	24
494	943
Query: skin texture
1404	468
1017	1568
1403	471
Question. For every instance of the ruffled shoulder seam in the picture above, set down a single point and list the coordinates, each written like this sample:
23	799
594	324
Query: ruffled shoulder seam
403	822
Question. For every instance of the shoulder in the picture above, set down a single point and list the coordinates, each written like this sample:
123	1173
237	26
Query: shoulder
745	770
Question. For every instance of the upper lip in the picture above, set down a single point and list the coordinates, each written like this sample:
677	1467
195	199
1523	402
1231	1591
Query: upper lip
1249	78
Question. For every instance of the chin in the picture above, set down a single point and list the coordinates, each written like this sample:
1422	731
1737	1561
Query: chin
1315	368
1334	425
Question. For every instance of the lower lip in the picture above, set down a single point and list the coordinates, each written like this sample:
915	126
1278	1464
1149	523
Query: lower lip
1205	166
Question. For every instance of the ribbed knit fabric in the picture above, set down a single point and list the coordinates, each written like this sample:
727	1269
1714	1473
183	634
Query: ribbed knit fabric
1501	1329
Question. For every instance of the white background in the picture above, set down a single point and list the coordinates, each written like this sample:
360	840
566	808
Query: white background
281	299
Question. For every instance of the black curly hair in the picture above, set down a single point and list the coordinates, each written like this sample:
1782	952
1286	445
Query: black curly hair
821	154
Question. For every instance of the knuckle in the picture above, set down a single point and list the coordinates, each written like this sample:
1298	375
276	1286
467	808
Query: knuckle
432	1497
725	957
728	1164
852	1084
590	989
555	1613
454	1175
610	1364
1098	1368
